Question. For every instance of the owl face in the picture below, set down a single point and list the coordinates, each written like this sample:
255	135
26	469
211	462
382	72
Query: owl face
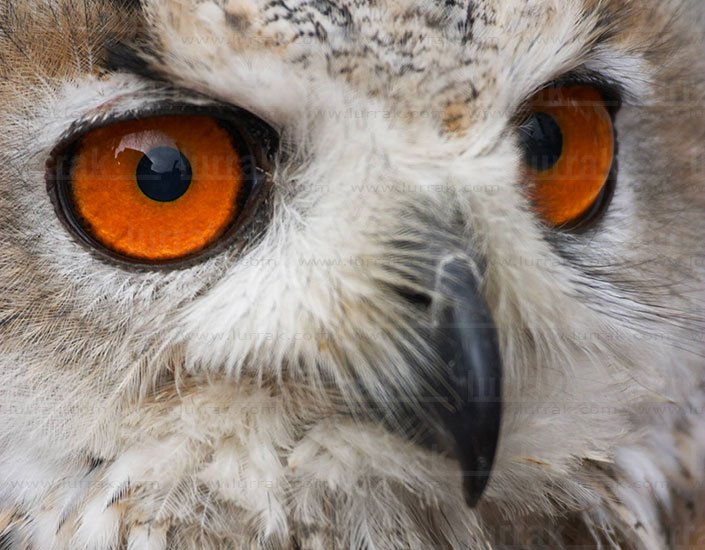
324	273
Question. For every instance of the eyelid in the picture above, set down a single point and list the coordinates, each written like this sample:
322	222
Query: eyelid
610	90
109	113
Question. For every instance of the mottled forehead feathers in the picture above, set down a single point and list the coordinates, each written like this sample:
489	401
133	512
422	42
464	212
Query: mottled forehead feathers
446	60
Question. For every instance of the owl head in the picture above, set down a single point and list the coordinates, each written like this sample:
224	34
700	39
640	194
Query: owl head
336	273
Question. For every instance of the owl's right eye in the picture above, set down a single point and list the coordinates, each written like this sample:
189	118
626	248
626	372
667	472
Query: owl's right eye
158	189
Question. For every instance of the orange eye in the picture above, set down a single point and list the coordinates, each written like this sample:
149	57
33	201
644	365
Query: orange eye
568	143
155	189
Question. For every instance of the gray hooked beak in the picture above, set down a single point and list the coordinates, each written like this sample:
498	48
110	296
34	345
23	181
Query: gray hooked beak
468	400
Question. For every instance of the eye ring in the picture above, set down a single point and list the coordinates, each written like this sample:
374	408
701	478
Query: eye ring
255	141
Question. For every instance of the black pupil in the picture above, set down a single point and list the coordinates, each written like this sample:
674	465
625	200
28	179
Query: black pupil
542	141
164	174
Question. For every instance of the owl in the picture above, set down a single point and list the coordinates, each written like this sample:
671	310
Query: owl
327	274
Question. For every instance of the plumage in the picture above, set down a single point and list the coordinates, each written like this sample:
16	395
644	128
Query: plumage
267	396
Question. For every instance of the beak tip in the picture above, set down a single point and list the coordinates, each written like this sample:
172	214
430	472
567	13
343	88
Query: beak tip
473	488
470	499
474	484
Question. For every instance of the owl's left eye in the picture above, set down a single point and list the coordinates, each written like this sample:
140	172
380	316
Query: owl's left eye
568	143
157	189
